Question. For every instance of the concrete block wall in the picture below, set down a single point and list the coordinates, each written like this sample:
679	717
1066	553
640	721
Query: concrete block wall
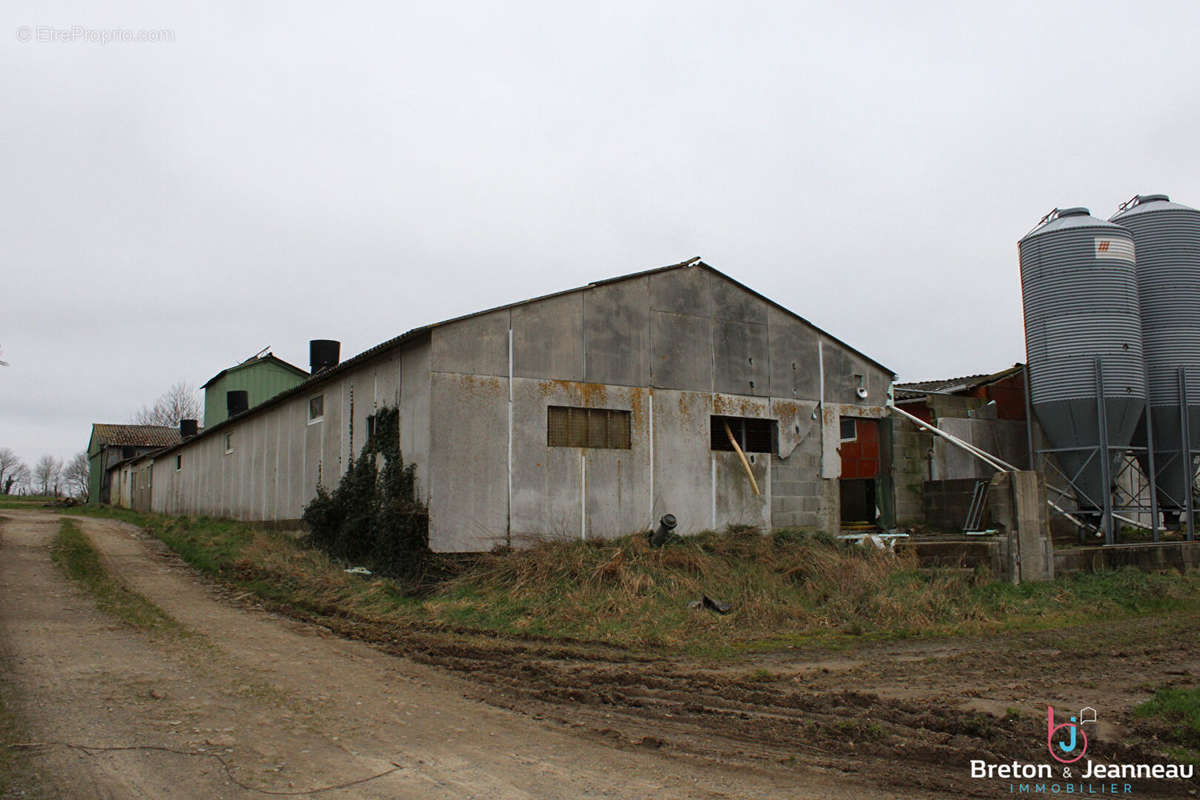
910	466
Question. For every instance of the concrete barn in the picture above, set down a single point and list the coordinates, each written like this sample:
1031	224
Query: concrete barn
587	413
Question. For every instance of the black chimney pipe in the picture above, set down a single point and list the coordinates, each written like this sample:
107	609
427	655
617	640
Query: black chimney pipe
323	354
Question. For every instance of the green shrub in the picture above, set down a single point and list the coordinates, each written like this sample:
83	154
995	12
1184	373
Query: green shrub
372	516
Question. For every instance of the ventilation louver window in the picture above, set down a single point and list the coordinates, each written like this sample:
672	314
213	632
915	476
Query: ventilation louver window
752	435
588	427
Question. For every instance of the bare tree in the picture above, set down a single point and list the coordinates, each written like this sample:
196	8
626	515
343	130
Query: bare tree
181	401
47	473
76	475
9	463
16	481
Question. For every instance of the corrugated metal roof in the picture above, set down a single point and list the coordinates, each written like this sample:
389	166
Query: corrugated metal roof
954	385
424	330
106	435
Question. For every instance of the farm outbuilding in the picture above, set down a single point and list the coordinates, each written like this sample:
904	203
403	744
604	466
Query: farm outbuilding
246	384
111	444
587	413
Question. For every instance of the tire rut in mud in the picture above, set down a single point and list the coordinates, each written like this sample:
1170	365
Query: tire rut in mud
723	717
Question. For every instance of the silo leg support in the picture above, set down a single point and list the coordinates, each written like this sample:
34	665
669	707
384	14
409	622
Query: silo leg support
1185	457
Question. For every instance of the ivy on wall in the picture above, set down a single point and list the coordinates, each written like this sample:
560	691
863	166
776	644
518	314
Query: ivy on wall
373	516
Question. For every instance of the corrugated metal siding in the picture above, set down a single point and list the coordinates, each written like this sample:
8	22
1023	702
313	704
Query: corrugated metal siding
1167	237
1080	305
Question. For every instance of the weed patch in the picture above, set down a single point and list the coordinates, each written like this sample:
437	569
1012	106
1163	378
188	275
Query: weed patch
1174	716
77	558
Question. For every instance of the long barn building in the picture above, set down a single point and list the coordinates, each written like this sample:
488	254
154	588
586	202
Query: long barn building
587	413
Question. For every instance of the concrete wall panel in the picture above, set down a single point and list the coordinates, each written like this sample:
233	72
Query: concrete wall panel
682	354
735	500
415	405
741	358
548	338
616	334
575	492
845	371
682	291
475	346
732	302
682	466
793	353
547	482
469	468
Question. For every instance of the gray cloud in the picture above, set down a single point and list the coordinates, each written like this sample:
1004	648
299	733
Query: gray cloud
277	174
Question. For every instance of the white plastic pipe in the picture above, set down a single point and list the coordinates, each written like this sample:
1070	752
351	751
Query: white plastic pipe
986	457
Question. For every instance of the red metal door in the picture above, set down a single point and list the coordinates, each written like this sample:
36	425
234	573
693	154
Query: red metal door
860	448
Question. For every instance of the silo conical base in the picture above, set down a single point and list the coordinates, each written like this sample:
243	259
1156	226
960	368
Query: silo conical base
1171	479
1071	426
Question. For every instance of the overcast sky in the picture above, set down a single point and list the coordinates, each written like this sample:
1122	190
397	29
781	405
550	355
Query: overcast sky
289	171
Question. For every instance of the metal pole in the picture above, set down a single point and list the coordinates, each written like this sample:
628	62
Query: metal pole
1150	460
1106	520
1029	420
1185	455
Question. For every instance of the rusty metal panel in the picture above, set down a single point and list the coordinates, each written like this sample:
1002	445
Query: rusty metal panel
859	447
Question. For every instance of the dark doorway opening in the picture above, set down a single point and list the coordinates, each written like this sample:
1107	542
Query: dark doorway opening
859	448
858	500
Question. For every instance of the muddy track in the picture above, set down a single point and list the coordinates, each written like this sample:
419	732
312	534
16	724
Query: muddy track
905	717
923	741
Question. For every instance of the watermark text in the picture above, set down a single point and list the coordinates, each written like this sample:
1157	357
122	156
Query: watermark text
82	34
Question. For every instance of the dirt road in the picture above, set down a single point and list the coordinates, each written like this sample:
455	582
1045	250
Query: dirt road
291	706
287	706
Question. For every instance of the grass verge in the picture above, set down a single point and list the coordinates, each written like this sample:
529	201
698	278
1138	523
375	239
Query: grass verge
27	501
80	561
788	589
1174	715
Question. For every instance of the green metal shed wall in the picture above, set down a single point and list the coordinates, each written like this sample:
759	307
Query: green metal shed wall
262	380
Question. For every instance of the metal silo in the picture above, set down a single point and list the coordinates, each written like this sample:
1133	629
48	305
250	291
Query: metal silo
1167	237
1083	344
